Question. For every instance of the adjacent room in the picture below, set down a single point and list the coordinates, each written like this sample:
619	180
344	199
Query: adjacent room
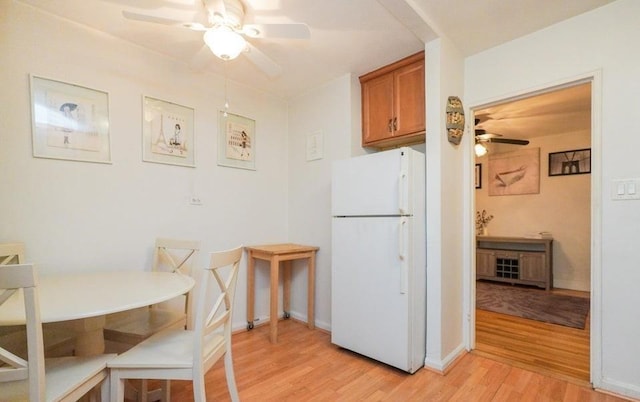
533	227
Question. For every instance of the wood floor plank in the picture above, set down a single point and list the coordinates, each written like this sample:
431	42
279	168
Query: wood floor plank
305	366
550	348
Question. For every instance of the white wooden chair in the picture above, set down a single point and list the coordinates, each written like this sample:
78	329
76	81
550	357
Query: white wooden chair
37	379
11	253
181	354
14	338
129	328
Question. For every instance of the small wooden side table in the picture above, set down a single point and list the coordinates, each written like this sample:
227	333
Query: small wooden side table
275	253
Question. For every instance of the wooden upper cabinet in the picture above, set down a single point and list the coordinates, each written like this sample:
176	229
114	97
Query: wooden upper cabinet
393	104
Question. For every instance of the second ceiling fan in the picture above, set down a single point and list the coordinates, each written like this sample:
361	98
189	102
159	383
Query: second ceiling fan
482	137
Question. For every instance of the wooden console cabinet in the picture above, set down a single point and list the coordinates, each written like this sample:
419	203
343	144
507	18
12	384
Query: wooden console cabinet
515	260
393	104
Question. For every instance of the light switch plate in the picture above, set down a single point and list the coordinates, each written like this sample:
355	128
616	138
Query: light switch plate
315	146
625	189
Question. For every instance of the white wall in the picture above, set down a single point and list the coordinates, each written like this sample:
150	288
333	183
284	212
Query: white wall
326	110
445	209
603	40
563	208
76	216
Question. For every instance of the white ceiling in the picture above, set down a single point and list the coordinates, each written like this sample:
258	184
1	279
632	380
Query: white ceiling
354	36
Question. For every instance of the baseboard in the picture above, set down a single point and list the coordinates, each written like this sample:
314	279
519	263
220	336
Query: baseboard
258	321
572	285
620	389
444	365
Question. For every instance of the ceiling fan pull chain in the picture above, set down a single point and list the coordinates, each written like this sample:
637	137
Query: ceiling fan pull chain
226	99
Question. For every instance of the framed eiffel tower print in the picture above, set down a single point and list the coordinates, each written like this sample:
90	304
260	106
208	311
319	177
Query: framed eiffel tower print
167	132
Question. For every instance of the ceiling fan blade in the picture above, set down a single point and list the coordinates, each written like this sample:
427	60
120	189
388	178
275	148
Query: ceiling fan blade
215	7
289	31
264	63
196	26
484	135
509	141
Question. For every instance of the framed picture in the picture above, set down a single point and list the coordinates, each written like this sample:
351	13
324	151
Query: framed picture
69	121
478	175
514	173
167	133
577	161
236	141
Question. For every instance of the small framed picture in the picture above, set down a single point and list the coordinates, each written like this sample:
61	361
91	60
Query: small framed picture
478	175
236	141
167	132
577	161
69	121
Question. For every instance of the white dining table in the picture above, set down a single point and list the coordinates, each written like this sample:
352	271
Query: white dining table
80	301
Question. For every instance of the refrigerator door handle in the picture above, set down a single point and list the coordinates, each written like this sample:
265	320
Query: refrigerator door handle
404	274
402	192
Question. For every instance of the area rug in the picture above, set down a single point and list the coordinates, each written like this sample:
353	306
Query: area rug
532	303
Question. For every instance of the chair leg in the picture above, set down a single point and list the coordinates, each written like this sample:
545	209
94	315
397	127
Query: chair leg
143	395
231	378
105	387
199	392
117	387
166	391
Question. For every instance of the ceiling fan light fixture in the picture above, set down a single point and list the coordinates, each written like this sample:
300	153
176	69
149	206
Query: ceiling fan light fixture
480	149
224	42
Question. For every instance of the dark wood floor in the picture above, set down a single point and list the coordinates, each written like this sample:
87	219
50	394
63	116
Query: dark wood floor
305	366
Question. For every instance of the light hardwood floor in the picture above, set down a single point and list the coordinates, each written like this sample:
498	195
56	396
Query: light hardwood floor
550	349
305	366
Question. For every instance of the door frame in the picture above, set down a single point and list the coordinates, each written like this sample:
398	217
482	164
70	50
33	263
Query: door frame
595	78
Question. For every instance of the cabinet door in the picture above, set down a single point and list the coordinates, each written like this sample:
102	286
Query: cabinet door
533	267
409	99
485	263
377	108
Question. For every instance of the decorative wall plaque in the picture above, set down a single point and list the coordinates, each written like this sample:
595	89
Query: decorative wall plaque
455	120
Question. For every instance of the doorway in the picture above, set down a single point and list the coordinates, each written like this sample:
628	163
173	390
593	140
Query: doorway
553	120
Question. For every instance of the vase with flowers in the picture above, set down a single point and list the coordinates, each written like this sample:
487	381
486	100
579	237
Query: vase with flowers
482	221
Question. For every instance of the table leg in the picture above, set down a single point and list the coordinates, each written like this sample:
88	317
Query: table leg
89	335
273	303
250	290
311	277
286	288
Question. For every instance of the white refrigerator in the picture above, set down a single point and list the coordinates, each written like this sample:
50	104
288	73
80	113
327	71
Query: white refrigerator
378	261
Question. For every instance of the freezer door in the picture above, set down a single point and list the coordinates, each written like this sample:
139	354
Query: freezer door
375	184
371	293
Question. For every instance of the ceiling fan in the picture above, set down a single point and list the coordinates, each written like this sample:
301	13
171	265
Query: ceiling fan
225	31
482	137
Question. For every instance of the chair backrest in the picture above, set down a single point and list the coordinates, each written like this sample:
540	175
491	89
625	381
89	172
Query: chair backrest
11	253
174	255
223	271
14	278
